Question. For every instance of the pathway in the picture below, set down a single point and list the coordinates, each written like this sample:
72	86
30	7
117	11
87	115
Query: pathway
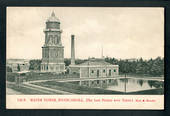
45	89
12	92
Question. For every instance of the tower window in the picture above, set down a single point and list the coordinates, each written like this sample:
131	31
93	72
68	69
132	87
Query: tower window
104	71
110	72
57	40
92	71
53	41
97	81
114	70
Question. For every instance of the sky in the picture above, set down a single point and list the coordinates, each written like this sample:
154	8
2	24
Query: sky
122	32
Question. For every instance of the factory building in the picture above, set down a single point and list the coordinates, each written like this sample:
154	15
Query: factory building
93	68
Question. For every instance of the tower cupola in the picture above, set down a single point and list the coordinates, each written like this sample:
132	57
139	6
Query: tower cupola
53	18
53	22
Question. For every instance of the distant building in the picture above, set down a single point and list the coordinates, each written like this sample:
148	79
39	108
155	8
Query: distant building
132	60
23	64
53	50
93	68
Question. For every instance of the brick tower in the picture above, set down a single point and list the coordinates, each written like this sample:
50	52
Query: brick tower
52	50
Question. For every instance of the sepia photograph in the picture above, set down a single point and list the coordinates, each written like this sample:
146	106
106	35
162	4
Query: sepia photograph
85	51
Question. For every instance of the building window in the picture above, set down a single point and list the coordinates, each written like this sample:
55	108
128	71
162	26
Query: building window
92	71
47	67
51	68
104	71
110	72
98	73
97	81
114	70
74	72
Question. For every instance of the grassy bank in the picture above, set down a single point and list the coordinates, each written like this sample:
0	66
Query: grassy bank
24	90
141	76
72	88
148	92
31	76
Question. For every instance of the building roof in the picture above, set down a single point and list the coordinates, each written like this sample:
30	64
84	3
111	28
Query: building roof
95	62
17	61
53	18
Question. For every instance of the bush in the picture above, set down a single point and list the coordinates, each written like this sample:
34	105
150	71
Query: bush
35	64
11	77
8	69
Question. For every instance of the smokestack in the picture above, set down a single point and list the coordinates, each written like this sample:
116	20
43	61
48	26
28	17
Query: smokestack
72	50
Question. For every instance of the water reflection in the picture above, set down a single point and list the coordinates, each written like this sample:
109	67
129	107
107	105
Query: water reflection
140	82
132	85
114	82
124	84
155	84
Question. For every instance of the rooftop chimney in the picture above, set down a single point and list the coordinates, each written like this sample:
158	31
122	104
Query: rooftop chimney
72	50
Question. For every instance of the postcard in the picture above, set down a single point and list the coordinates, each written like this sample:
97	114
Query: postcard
85	58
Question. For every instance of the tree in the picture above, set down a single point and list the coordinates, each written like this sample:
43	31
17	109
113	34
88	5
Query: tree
152	67
67	61
9	69
157	68
140	66
35	65
111	60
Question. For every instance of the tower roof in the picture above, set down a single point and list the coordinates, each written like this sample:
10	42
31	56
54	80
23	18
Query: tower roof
53	18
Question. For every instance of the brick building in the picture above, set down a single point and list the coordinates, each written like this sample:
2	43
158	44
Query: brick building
95	68
53	50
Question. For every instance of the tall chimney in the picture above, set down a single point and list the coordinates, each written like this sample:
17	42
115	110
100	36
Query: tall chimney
72	50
